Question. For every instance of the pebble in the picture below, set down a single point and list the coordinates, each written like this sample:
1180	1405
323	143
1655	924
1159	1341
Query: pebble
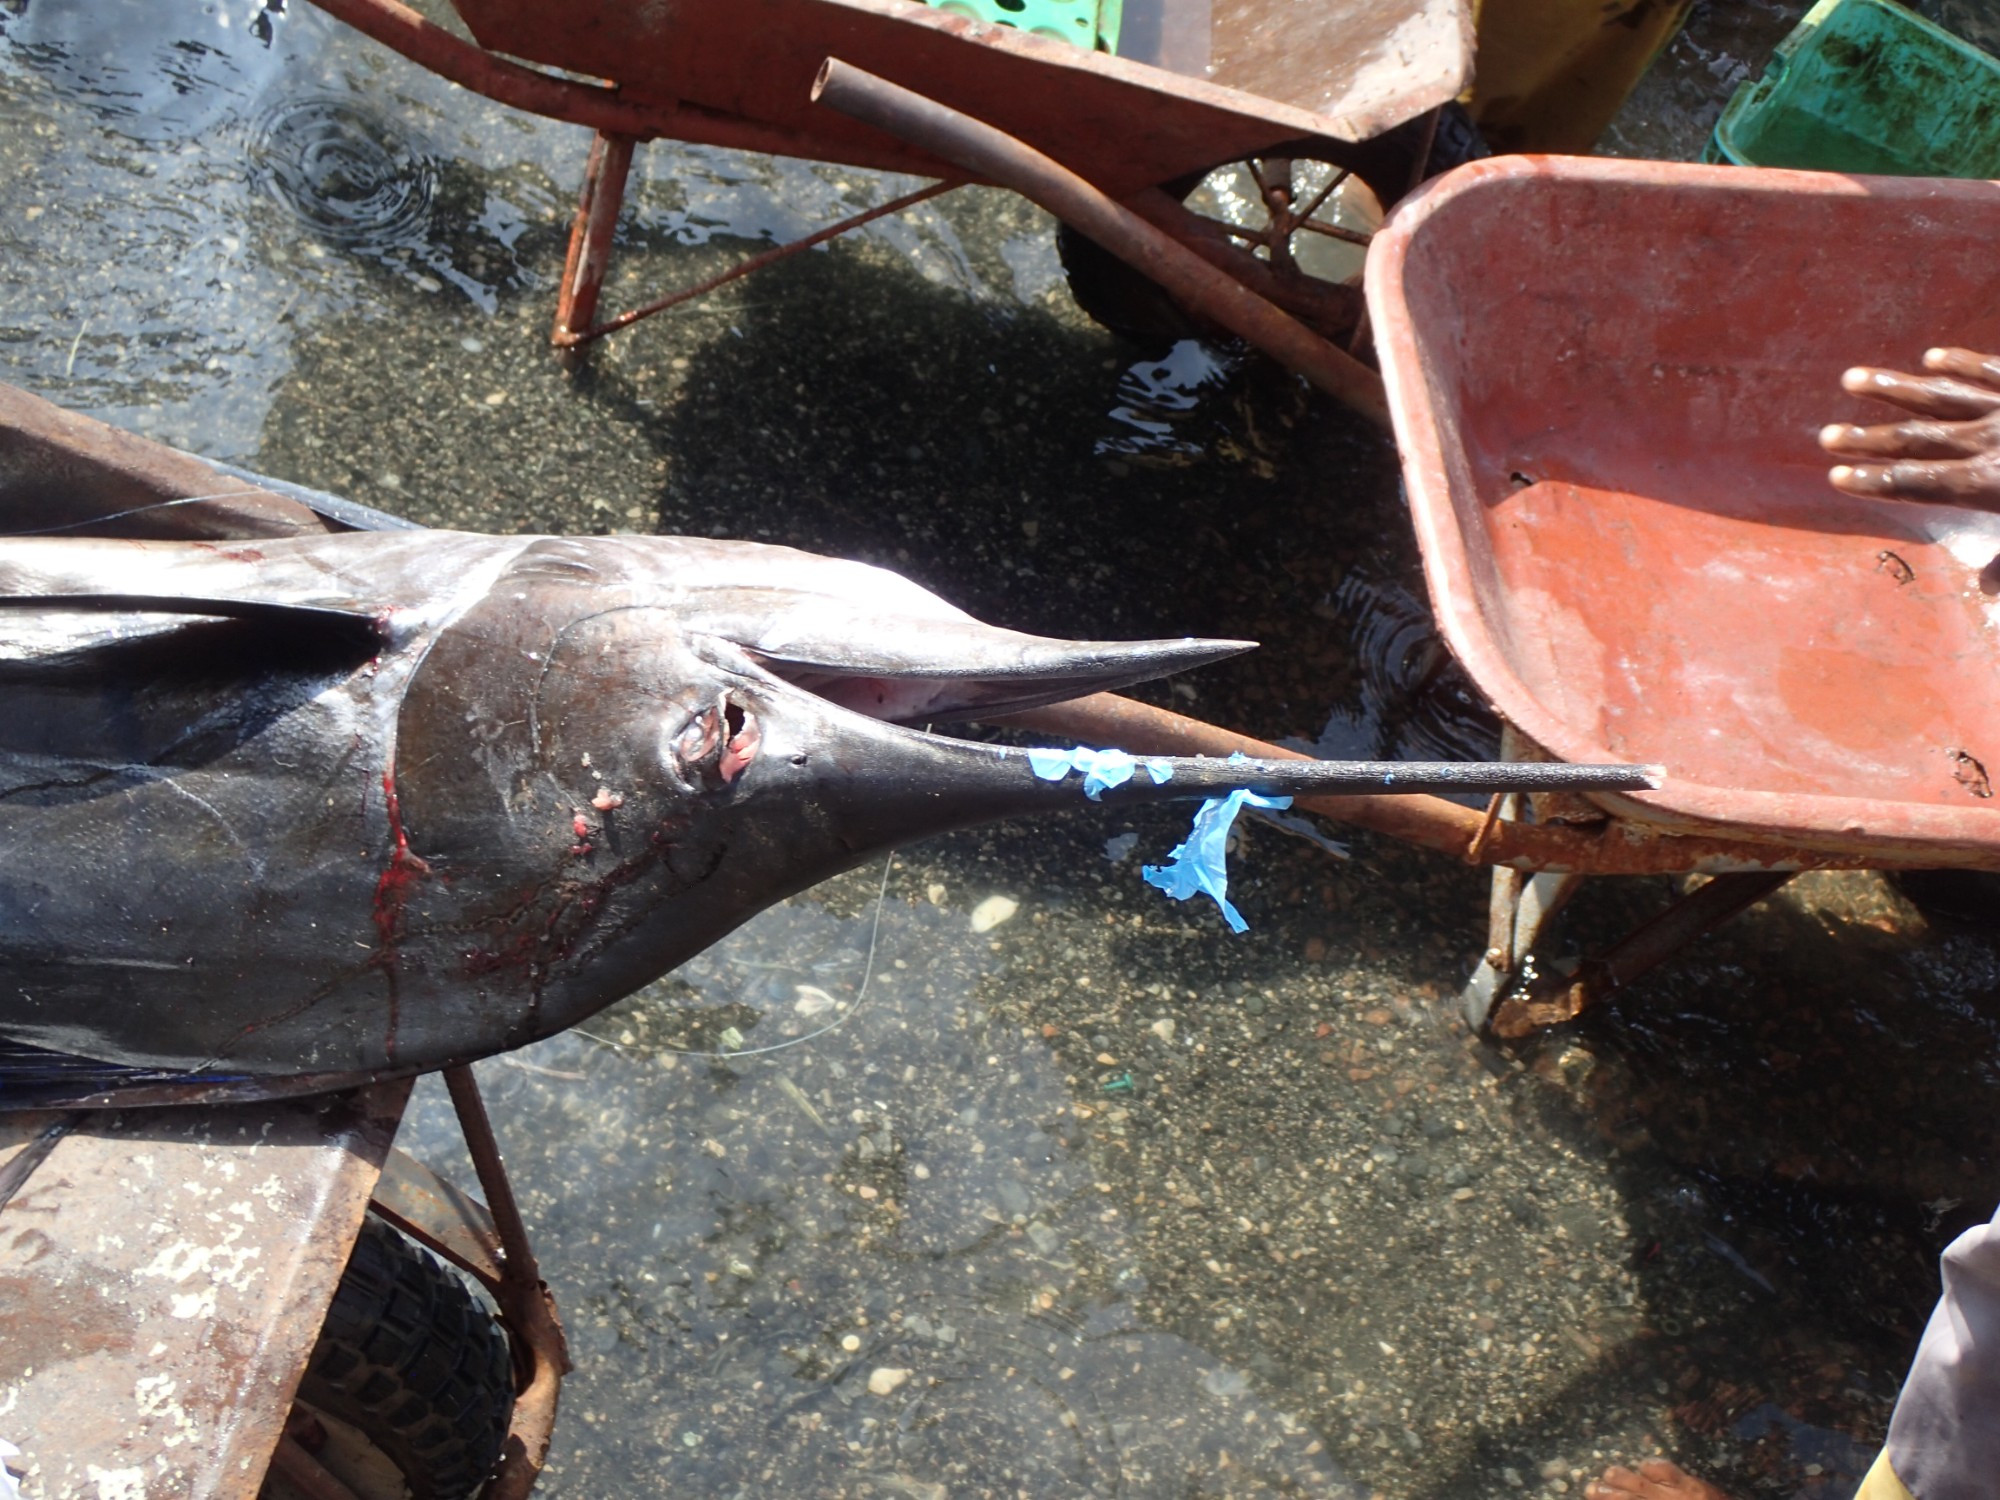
1163	1028
885	1379
991	912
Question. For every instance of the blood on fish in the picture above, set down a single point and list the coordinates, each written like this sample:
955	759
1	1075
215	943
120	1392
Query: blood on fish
392	894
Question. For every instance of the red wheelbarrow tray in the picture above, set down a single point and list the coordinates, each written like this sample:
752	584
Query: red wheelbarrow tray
1276	70
1607	379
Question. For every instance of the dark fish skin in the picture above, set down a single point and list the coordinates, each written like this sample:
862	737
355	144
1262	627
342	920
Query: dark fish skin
345	805
295	795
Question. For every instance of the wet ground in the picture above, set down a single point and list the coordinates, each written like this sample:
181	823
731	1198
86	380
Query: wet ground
1072	1193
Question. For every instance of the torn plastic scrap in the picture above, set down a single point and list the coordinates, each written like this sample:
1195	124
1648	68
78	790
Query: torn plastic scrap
1102	769
1200	863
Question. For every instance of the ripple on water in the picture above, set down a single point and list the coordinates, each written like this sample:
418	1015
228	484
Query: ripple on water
346	172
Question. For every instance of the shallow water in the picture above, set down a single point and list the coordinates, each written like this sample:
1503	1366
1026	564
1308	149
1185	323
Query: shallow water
1139	1208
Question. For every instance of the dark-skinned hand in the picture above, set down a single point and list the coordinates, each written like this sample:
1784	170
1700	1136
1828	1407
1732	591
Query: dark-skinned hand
1948	453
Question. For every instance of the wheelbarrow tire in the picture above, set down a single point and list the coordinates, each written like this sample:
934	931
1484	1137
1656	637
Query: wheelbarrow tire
412	1360
1135	307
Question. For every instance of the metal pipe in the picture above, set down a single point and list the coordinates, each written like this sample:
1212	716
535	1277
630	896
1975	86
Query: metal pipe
524	1299
590	235
567	339
1327	307
1207	292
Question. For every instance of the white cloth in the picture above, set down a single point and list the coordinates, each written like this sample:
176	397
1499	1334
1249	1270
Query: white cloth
1944	1438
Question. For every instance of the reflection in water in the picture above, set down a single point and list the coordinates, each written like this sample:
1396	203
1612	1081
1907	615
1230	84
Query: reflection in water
151	74
1156	397
1415	702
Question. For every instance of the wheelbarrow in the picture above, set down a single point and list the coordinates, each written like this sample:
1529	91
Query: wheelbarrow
222	1299
1309	96
1632	548
1629	538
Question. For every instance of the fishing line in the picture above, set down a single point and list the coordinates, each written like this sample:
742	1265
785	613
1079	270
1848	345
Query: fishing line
137	510
853	1009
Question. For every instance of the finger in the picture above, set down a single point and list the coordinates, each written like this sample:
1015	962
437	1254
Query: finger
1923	438
1971	482
1927	395
1614	1482
1966	364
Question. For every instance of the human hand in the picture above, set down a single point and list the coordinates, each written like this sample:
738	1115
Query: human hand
1950	453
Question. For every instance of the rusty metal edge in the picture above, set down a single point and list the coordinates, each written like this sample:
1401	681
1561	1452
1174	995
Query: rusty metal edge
431	1209
599	107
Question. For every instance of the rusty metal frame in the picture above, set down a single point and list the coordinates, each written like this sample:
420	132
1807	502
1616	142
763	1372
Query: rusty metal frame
1205	290
597	106
1549	1000
1194	259
590	248
490	1243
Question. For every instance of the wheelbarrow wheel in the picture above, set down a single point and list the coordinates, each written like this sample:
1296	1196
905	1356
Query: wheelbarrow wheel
409	1388
1324	245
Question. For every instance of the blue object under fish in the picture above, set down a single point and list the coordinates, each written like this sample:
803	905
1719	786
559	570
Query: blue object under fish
1200	863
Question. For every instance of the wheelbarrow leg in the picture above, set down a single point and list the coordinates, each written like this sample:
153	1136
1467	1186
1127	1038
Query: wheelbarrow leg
590	241
1556	998
1520	910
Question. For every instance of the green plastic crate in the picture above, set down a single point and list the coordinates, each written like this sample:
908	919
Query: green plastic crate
1092	24
1867	86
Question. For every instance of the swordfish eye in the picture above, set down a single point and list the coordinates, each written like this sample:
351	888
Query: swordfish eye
710	747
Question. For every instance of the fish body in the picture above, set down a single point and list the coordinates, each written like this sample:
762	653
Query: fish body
333	806
294	795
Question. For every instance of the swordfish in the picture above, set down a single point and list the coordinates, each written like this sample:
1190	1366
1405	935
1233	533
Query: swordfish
283	813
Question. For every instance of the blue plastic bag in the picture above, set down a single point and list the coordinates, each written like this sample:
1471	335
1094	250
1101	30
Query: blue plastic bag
1200	863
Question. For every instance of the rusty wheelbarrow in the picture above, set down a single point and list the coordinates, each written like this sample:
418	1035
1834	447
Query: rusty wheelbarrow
1633	550
222	1300
1306	98
1629	537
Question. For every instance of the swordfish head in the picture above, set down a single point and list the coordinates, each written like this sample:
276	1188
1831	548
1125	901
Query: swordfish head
345	806
702	729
